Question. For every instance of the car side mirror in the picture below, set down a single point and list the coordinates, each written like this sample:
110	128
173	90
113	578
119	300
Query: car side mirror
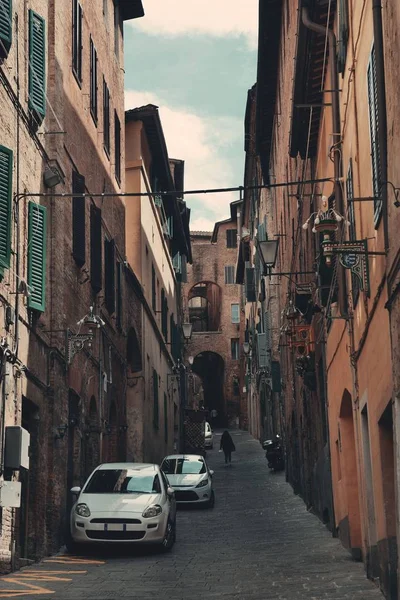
211	473
75	490
170	492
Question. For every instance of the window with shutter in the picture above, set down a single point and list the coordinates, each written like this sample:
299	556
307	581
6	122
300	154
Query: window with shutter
119	306
6	165
229	275
184	269
37	66
235	313
117	147
106	118
93	81
78	219
155	399
109	275
355	284
77	40
5	27
165	417
250	283
37	221
374	135
95	249
231	238
235	348
262	352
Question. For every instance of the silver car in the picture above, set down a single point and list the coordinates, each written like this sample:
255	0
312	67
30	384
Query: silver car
191	479
209	437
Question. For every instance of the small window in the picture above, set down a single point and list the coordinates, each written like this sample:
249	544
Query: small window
106	118
117	147
77	40
235	313
37	256
235	348
93	81
119	304
231	238
229	274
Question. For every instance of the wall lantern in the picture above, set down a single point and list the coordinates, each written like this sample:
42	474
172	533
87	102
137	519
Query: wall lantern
187	330
76	342
246	348
191	360
268	251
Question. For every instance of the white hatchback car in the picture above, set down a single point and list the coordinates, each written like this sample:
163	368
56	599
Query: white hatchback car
209	437
190	477
124	503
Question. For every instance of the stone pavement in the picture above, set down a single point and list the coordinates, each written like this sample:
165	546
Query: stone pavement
258	543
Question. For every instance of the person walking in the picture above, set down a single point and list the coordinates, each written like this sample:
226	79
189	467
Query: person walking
227	446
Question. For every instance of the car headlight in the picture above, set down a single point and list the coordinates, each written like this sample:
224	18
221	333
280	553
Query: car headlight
82	510
202	483
152	511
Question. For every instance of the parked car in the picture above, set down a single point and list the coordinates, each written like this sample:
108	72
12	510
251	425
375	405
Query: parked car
209	437
190	477
124	503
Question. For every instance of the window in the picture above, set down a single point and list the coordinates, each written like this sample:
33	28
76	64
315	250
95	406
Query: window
117	147
229	274
235	313
250	283
109	275
95	249
77	40
343	29
155	399
6	166
235	348
165	417
37	218
374	133
164	315
231	238
106	118
355	282
119	307
78	219
5	27
37	66
93	81
153	289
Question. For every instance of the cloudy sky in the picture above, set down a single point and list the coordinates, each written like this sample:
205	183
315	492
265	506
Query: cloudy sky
195	60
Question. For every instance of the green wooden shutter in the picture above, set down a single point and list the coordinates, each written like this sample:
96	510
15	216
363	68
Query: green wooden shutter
37	256
37	65
5	26
6	162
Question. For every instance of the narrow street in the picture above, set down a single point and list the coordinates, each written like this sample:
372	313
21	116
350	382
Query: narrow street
259	543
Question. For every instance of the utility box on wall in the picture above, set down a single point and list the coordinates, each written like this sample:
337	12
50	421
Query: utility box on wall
16	448
10	494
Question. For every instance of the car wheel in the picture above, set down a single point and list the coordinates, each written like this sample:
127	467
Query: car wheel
211	502
169	537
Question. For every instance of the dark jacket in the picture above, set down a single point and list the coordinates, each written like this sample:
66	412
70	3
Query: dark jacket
227	444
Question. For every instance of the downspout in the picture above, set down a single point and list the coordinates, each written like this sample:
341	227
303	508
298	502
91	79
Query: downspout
337	139
381	97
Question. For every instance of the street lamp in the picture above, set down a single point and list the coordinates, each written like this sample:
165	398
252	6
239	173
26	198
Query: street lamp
268	251
187	330
246	348
191	360
76	342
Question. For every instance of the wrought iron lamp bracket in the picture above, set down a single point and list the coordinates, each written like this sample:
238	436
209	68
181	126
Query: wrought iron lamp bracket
76	342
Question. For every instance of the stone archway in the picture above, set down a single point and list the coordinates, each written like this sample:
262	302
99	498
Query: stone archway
350	526
210	367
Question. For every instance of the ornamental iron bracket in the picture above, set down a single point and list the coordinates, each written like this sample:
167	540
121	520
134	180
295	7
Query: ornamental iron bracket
76	342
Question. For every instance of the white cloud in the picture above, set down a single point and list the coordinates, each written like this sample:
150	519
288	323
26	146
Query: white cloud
215	17
202	144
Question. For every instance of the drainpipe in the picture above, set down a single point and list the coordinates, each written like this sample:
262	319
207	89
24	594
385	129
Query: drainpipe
336	130
381	98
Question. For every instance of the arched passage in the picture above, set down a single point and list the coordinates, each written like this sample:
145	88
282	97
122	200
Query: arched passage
204	303
350	527
210	367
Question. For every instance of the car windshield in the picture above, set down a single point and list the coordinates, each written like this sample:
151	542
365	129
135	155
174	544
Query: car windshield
183	466
123	481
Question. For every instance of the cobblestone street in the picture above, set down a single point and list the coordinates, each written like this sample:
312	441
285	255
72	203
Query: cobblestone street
259	543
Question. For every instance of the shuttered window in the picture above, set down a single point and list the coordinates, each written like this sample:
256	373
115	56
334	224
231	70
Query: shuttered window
119	306
117	147
77	40
235	313
231	238
93	81
5	27
262	350
156	407
229	274
78	219
37	66
355	283
374	135
106	118
37	221
235	348
6	164
250	283
95	249
109	275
